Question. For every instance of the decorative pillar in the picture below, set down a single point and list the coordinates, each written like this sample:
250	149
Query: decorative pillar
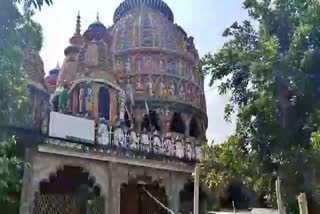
174	186
95	102
27	194
118	176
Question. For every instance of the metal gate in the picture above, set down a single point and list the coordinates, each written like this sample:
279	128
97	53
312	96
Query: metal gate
65	204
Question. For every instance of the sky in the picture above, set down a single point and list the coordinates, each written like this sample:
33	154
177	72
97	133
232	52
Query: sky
205	20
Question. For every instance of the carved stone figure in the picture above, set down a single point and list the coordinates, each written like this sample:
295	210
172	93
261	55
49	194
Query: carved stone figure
145	142
128	66
81	100
122	109
150	87
171	67
162	87
157	144
189	94
139	87
161	65
189	151
103	134
182	93
88	99
134	140
179	149
119	138
147	64
172	89
167	146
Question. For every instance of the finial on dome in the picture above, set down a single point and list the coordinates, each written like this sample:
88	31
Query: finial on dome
98	18
78	25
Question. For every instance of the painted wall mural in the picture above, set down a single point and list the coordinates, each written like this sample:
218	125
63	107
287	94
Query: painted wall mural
156	64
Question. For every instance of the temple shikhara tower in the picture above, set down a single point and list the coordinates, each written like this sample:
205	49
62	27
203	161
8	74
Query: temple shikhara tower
121	121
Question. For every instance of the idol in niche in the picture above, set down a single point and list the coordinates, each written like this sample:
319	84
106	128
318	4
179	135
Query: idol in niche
128	65
147	64
150	87
139	87
171	89
162	88
161	64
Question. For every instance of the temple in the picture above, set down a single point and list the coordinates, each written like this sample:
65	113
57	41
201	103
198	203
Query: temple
118	127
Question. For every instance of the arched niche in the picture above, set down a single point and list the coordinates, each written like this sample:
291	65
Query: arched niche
151	121
104	103
70	189
127	119
194	128
69	180
177	124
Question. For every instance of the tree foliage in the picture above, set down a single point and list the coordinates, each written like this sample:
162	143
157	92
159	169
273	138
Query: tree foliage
17	30
272	74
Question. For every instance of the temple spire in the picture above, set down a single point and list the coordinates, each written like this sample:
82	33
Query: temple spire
78	25
98	18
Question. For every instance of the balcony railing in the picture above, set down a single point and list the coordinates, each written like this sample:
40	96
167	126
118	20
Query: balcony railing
136	145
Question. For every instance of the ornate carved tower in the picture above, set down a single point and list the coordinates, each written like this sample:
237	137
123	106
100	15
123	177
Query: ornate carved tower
158	66
127	122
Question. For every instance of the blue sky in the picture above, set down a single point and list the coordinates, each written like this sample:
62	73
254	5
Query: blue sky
203	19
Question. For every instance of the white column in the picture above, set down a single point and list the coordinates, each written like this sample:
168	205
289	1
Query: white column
196	190
118	177
174	186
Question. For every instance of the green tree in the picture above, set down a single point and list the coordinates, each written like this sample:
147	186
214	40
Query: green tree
17	30
272	75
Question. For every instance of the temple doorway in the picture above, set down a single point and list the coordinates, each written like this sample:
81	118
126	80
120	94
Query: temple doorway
69	191
136	199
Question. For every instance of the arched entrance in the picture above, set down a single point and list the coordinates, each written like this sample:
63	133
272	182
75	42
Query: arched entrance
70	191
135	198
186	199
104	103
177	124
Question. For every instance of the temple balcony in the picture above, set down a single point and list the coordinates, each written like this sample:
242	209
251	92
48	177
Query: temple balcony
71	132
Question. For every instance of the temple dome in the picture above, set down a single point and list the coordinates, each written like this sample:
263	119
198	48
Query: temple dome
146	24
127	5
96	31
52	78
